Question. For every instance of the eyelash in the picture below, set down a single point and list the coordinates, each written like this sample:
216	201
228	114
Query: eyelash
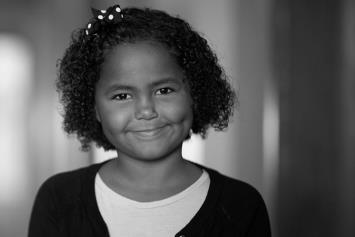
116	97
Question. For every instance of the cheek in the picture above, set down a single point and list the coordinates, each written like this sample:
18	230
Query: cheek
178	112
115	120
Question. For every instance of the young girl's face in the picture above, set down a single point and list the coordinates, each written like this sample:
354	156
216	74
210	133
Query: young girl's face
142	102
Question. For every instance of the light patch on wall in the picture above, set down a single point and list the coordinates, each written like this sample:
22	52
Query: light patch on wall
193	149
100	155
271	131
16	70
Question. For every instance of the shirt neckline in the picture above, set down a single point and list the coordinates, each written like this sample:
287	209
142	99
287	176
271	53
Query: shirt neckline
152	204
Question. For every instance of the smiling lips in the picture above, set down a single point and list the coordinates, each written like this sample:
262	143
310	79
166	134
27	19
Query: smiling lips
148	133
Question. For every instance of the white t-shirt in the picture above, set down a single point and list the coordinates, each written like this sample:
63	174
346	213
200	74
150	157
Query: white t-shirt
162	218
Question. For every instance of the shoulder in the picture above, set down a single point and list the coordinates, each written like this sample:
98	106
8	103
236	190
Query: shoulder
68	178
64	186
59	201
233	190
237	191
239	201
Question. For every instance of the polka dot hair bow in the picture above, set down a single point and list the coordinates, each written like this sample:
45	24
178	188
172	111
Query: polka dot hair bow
110	15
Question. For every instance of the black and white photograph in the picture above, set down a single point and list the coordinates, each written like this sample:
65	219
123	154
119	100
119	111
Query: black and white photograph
177	118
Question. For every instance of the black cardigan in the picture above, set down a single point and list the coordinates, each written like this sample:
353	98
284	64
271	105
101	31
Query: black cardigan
66	206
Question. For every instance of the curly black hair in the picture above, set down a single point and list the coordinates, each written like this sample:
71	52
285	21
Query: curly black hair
79	70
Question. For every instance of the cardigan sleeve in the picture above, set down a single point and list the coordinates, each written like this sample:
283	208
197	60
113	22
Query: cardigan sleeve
260	224
44	218
246	207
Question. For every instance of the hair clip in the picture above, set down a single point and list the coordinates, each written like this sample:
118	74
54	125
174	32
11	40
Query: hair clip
110	15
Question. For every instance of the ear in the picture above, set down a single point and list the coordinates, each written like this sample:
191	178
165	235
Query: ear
98	117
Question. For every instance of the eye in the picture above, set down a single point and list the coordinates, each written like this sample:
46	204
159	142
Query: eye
164	91
121	96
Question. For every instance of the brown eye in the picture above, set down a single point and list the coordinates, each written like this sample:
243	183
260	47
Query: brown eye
121	96
164	91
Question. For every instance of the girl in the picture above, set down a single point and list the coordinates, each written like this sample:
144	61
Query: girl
141	81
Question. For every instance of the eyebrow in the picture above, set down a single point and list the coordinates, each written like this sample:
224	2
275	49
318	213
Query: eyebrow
154	84
165	81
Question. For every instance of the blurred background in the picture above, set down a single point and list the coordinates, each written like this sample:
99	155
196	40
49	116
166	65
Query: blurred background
293	136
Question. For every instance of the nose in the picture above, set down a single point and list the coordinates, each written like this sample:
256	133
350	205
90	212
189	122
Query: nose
145	108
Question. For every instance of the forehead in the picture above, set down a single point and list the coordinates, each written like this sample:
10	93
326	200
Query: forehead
142	61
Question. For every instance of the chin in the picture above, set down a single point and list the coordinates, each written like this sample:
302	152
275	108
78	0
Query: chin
153	154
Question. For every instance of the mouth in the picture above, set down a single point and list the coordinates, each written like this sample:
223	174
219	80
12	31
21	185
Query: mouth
148	133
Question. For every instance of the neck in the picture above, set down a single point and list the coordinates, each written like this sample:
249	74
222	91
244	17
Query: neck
150	173
149	180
